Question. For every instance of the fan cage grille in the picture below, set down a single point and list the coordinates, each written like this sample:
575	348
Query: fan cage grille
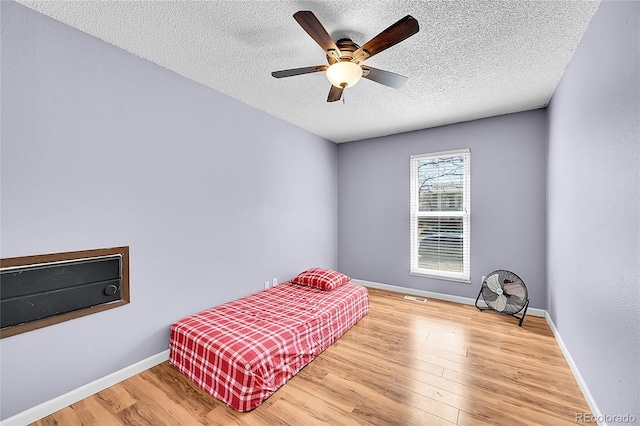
504	292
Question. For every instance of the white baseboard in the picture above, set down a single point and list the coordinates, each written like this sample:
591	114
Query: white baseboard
530	311
536	312
49	407
576	373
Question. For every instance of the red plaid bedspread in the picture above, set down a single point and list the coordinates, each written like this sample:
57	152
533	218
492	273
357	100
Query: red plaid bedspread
243	351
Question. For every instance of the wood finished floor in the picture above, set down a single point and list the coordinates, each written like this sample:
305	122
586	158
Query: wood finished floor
405	363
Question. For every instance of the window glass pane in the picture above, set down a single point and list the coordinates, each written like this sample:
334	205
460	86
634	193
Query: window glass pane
440	215
440	184
440	243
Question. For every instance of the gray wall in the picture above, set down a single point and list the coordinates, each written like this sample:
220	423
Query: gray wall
508	204
593	208
100	149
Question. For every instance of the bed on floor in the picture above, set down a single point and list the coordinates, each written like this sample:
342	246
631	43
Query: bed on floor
241	352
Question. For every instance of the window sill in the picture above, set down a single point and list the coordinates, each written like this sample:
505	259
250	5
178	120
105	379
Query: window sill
440	277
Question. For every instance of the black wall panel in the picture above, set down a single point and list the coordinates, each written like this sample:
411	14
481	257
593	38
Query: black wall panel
34	292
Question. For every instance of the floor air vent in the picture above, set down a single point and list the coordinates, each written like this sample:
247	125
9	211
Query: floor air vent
415	298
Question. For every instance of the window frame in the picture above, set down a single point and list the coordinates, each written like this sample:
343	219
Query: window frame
464	213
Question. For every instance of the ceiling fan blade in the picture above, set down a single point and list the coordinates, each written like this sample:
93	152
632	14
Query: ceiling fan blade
401	30
314	28
335	93
386	78
299	71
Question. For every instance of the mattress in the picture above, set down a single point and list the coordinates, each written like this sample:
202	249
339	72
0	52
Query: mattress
241	352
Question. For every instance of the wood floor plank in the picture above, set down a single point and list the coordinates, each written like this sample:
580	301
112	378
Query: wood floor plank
117	398
540	397
197	404
389	389
138	415
163	407
220	416
379	409
461	400
467	419
318	391
317	410
391	362
65	417
224	416
91	411
405	363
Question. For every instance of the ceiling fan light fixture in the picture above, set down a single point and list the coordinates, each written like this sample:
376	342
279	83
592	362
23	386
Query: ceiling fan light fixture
344	74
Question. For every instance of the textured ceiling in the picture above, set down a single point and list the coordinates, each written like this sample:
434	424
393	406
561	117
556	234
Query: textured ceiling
471	59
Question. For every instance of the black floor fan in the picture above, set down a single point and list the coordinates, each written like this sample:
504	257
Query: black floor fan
505	293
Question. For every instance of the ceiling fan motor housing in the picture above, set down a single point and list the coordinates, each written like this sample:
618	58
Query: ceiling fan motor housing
346	47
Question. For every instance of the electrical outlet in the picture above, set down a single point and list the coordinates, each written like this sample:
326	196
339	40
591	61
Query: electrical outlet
274	282
266	285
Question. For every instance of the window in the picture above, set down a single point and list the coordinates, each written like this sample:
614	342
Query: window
440	201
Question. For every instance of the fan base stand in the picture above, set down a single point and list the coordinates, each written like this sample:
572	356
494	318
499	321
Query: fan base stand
520	318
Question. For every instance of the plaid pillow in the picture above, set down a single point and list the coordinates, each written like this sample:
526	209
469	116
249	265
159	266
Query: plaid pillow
324	279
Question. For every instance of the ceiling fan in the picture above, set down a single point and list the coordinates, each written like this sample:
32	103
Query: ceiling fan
345	56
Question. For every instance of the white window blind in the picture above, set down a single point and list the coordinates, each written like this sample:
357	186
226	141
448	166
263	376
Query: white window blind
440	215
